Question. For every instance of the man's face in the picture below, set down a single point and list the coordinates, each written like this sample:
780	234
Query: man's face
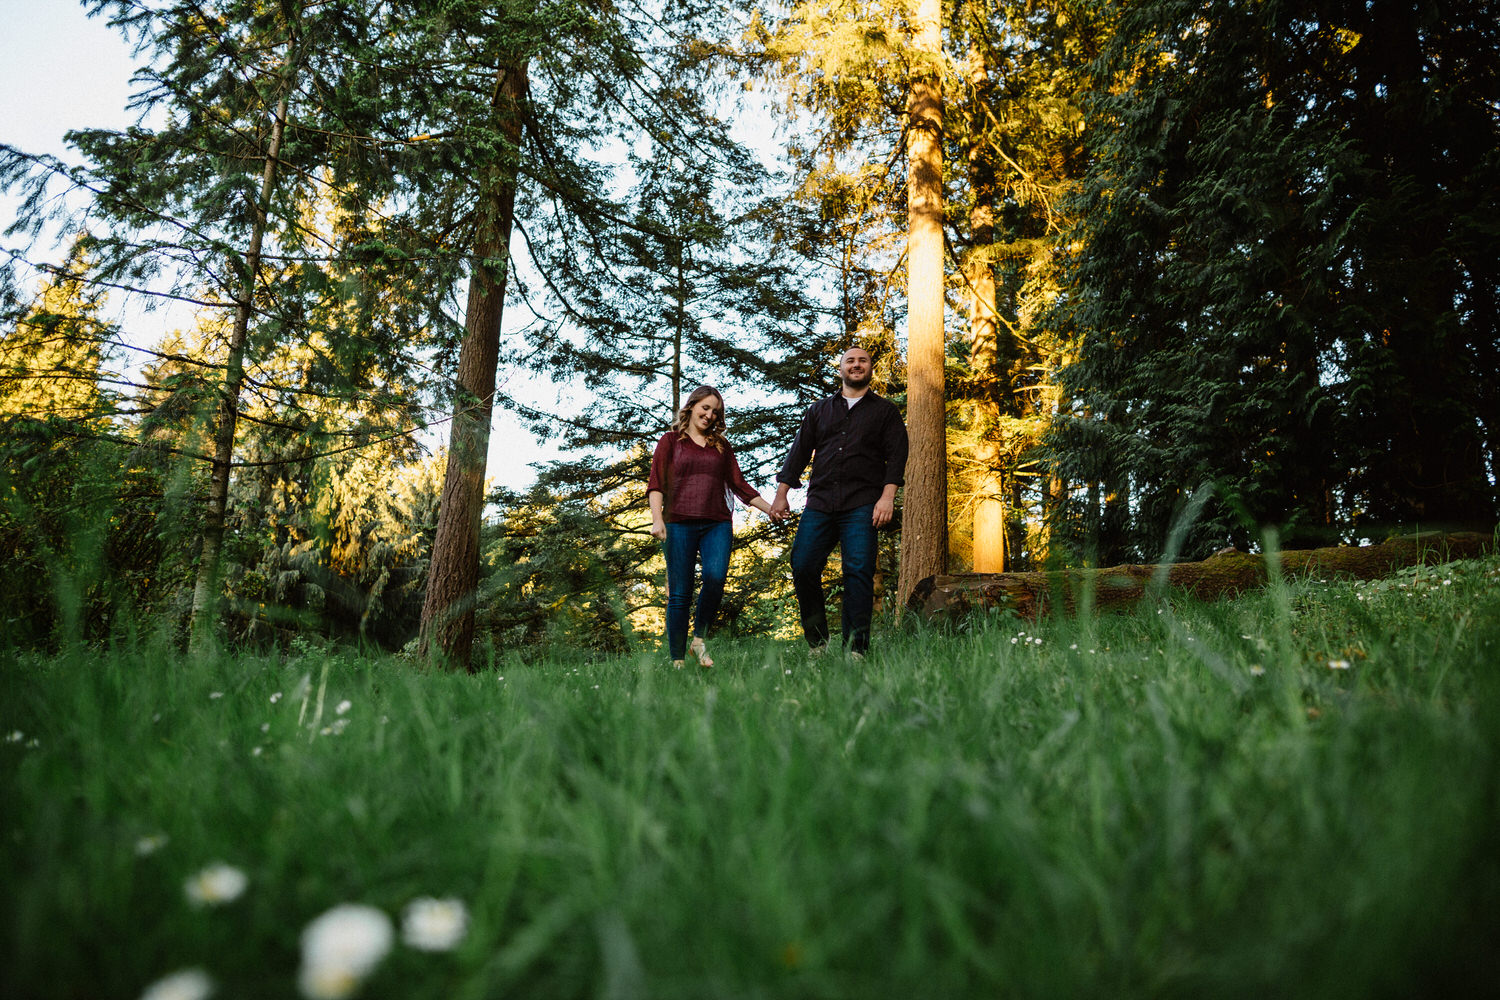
855	368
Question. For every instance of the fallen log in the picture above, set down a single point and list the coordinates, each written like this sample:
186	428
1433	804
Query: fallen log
1224	574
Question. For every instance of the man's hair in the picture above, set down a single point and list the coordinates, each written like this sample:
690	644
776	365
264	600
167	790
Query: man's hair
715	433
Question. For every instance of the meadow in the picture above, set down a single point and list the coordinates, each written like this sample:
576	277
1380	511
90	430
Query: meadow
1293	794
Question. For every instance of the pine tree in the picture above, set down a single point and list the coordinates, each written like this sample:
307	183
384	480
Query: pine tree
1019	130
56	400
52	362
257	128
1251	311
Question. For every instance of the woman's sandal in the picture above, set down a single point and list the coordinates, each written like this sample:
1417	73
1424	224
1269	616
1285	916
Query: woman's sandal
700	652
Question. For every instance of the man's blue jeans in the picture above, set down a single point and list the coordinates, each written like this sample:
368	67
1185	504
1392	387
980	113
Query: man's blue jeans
818	532
688	543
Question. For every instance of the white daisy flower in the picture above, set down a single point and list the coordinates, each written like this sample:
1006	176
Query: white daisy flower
434	924
340	948
150	845
216	885
189	984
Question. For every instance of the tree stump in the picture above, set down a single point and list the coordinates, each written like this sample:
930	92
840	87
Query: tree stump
1224	574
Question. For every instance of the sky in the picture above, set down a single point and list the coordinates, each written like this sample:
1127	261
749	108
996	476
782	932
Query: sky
61	69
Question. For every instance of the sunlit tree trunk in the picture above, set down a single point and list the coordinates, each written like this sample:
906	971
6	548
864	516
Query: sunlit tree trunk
924	525
206	588
447	630
989	498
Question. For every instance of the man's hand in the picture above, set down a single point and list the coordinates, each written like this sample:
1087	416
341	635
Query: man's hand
885	509
780	509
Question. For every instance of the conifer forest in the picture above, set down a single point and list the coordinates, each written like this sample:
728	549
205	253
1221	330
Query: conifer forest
1118	263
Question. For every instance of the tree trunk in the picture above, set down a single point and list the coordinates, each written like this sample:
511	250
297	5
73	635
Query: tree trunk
206	587
678	319
924	516
1225	574
447	630
989	497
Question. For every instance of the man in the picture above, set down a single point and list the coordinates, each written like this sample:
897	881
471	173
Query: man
857	444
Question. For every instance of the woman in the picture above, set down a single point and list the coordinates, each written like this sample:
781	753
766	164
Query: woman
692	472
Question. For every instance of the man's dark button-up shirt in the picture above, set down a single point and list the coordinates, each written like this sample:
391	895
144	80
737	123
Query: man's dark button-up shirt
855	451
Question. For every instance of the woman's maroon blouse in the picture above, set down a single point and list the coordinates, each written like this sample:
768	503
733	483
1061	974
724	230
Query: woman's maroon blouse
695	481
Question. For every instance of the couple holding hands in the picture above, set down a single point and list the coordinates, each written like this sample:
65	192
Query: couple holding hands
857	444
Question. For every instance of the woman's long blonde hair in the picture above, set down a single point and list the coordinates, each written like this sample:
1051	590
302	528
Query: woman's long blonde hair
715	433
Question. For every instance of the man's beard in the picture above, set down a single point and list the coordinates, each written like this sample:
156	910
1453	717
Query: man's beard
854	383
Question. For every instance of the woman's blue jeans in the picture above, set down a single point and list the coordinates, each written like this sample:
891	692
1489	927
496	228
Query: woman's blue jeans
687	544
818	532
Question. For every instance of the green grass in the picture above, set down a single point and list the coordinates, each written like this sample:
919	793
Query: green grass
1184	803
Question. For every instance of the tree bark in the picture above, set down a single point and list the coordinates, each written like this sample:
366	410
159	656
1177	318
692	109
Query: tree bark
206	587
924	515
447	629
1225	574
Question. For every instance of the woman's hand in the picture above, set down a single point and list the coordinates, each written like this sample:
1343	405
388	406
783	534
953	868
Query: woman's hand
658	528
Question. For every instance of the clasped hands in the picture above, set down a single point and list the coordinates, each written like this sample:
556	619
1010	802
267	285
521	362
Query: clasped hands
884	511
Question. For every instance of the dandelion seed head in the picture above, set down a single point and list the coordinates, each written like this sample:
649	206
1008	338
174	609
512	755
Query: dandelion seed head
216	885
275	697
343	707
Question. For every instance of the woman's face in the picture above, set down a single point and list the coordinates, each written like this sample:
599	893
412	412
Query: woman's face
705	412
